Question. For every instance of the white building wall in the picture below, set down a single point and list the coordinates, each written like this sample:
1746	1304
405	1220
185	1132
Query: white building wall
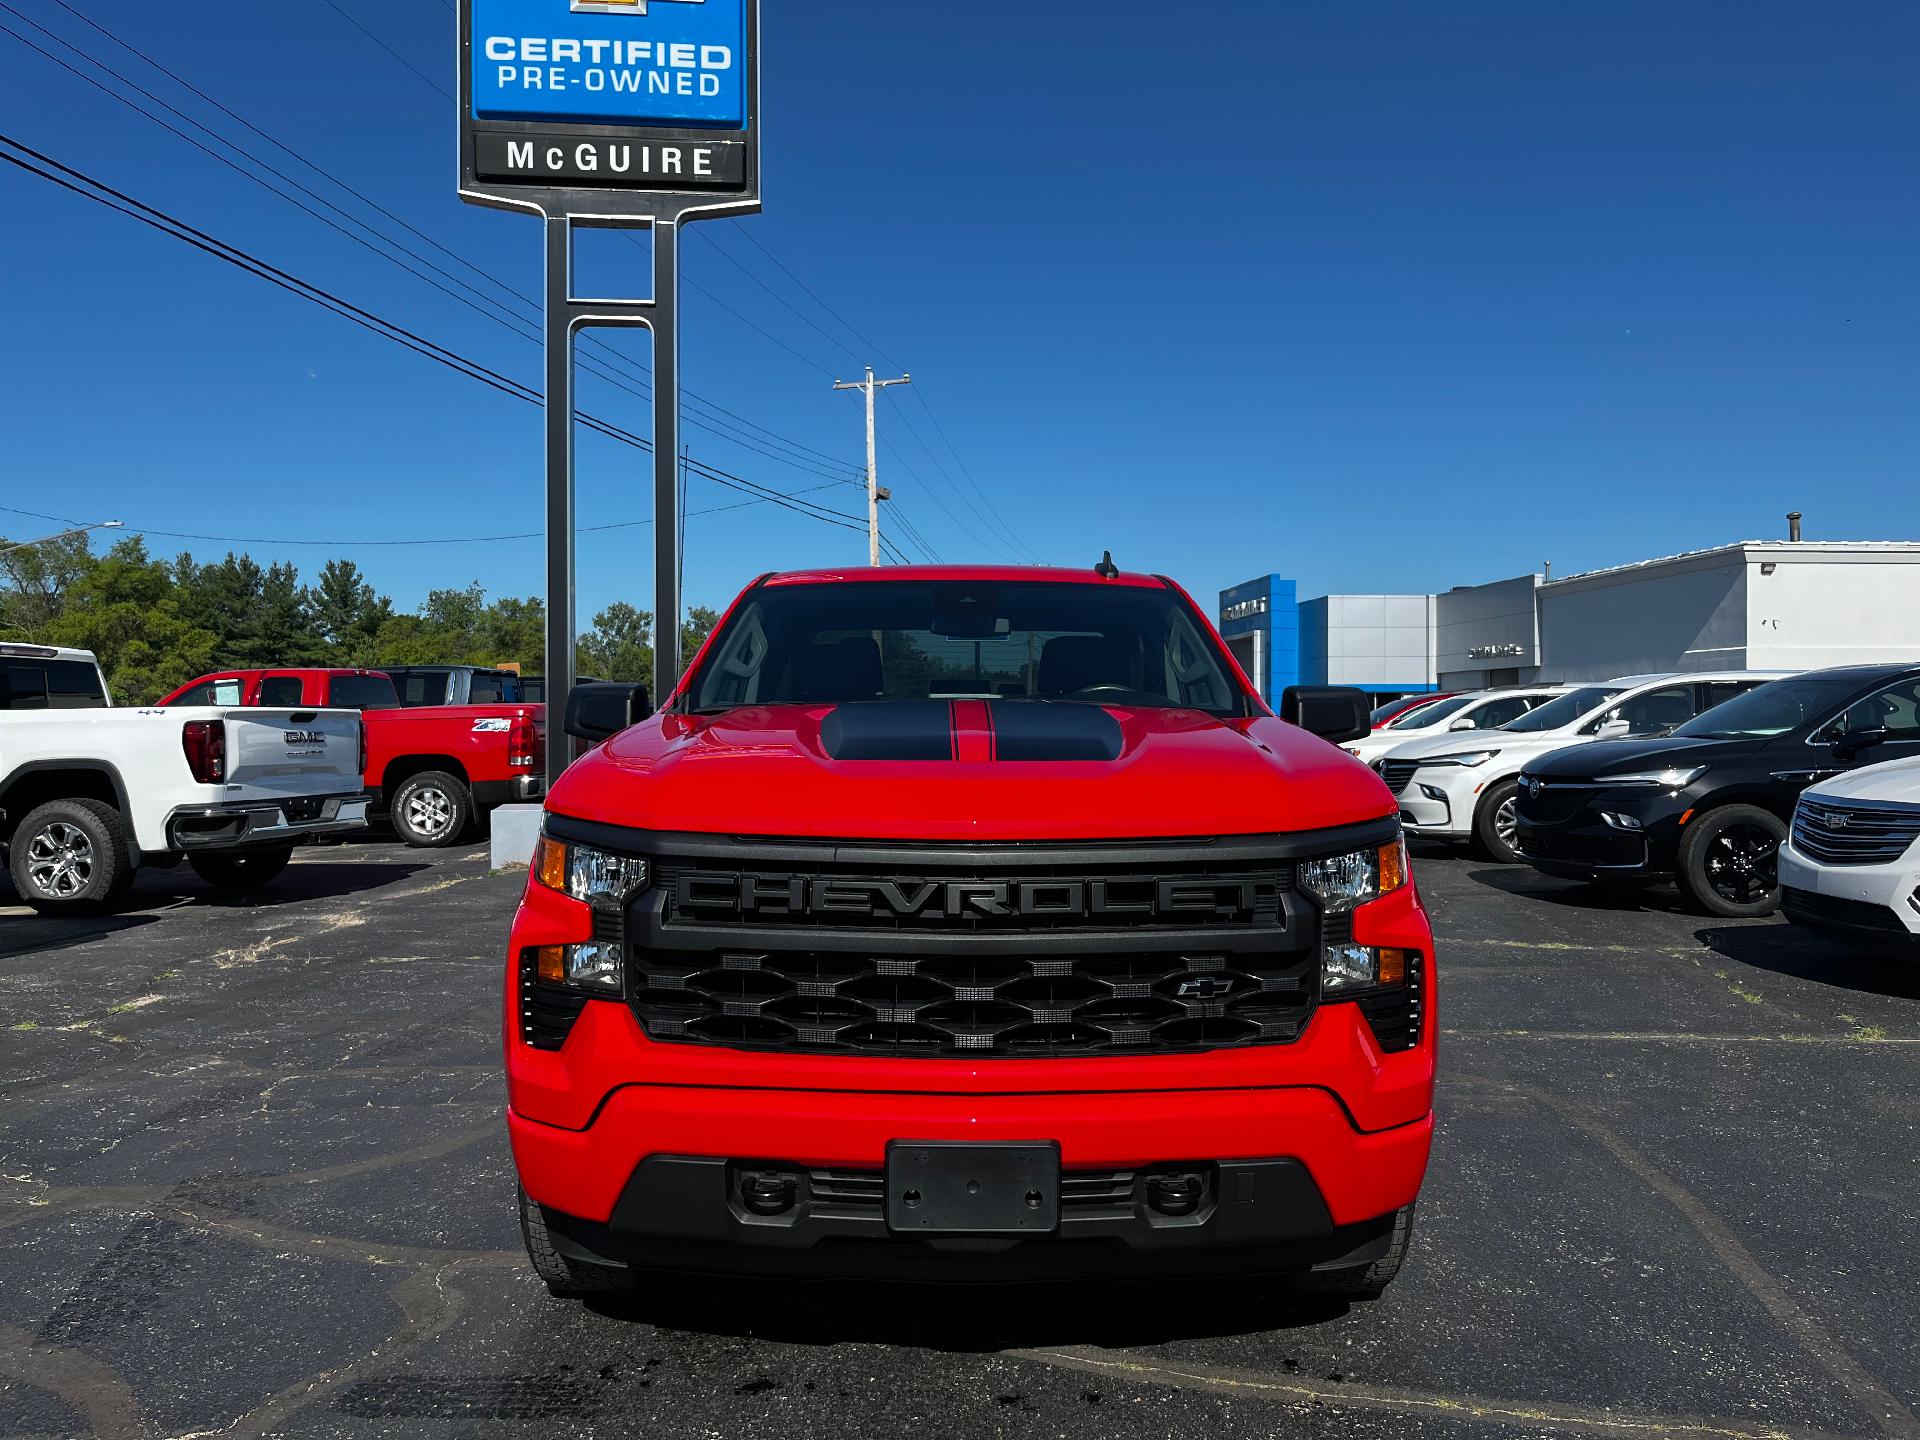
1832	607
1670	615
1378	640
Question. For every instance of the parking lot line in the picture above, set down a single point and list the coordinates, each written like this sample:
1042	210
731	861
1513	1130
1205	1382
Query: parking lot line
1583	1419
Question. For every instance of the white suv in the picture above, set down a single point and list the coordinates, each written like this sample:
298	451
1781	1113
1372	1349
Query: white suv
1460	786
1851	863
1480	710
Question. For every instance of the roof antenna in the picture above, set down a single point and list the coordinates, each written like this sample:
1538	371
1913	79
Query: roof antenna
1106	569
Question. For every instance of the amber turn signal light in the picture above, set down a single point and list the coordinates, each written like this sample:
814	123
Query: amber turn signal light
550	864
550	964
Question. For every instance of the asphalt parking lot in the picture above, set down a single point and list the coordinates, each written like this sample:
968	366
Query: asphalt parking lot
254	1181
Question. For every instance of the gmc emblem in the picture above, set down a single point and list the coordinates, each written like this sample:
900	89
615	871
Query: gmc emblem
1121	901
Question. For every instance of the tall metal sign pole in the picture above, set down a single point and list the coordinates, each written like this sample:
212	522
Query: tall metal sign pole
874	493
613	114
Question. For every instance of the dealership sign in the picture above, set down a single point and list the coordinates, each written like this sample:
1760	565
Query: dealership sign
604	108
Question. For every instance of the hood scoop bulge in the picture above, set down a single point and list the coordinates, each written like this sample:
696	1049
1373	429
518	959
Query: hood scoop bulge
970	730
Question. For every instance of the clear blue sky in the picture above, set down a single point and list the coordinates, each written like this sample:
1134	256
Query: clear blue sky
1379	296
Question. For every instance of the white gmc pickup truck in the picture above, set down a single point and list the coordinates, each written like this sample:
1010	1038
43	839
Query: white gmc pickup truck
90	793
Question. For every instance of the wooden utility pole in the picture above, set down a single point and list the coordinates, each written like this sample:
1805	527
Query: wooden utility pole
874	493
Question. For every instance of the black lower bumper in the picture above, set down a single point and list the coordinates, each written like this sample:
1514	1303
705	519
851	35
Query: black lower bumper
1857	920
691	1214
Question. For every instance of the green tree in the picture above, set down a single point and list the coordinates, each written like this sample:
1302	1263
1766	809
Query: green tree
346	614
35	581
126	610
619	647
700	622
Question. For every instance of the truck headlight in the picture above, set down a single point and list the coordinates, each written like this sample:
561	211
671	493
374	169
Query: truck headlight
1345	882
1349	967
595	966
594	876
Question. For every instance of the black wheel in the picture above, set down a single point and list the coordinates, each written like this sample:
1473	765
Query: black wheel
565	1277
1364	1282
242	871
1730	861
431	809
1494	825
70	855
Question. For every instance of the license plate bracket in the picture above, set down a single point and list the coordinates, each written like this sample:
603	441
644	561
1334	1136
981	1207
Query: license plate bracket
971	1187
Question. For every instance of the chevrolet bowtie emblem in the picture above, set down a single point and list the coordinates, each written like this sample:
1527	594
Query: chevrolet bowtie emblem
619	7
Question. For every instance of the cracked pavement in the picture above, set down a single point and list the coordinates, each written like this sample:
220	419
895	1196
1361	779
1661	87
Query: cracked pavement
254	1181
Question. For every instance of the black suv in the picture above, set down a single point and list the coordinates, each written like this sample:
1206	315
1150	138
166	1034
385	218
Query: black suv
1709	804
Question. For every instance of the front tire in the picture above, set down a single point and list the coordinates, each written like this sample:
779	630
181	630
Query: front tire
70	855
565	1278
1494	825
1364	1282
1730	861
431	810
241	873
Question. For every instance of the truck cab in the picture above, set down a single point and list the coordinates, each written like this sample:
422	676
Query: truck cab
427	685
976	921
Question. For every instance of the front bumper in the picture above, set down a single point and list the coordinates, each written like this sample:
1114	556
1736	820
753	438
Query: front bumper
1439	801
1565	832
642	1185
254	823
1869	902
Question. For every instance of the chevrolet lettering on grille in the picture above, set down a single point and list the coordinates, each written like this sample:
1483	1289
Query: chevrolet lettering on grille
1122	902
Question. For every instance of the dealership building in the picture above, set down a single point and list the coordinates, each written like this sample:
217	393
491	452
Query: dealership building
1755	605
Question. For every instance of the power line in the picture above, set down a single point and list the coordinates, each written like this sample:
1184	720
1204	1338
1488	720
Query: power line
797	456
992	513
76	181
440	89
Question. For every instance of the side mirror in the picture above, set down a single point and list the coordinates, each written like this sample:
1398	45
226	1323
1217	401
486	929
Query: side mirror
1848	746
599	712
1336	713
1613	730
1464	724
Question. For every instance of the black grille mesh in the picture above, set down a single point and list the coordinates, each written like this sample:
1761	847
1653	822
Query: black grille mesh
751	949
1397	773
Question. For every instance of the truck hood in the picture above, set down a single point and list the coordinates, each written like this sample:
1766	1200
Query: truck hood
969	771
1896	781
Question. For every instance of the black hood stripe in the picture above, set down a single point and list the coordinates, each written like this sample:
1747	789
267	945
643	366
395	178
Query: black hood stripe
889	730
924	730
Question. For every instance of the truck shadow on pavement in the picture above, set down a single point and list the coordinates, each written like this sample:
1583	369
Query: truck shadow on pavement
967	1319
1791	951
155	891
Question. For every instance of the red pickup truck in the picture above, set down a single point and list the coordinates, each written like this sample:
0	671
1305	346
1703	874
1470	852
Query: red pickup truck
971	922
433	770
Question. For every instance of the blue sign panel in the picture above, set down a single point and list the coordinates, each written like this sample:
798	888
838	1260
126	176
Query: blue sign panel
665	63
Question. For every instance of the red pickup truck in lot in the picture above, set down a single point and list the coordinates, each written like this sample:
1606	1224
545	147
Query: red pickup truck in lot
433	770
974	922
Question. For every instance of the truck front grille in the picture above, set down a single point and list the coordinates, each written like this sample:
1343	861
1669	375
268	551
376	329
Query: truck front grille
1017	951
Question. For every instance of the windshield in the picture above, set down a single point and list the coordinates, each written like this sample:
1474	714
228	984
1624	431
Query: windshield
1564	709
1770	709
827	643
1431	714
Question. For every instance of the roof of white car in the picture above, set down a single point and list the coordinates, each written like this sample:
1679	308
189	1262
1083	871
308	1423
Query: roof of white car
15	651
